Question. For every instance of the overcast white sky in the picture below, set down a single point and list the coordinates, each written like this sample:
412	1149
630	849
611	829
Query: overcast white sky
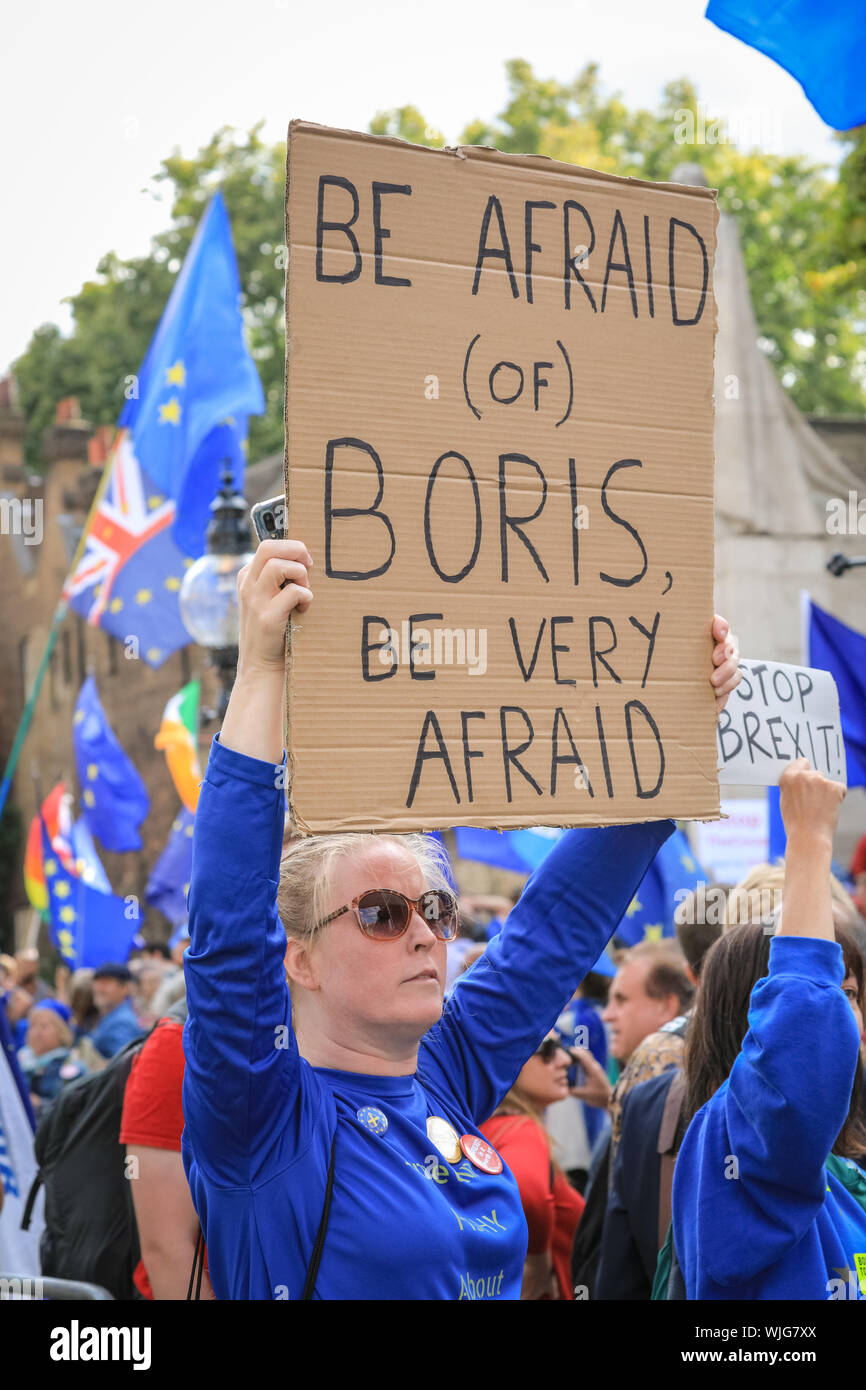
93	94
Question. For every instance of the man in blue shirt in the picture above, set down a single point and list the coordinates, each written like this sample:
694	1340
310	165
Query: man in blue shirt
117	1024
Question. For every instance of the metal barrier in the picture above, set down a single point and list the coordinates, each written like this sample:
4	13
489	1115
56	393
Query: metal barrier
30	1287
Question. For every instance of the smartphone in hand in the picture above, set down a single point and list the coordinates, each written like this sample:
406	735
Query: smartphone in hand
269	519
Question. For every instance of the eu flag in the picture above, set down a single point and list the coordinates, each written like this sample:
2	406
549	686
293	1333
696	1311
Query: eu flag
88	927
114	799
650	914
521	851
168	884
186	416
822	46
841	650
197	372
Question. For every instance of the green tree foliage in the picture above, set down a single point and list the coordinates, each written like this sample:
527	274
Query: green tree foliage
803	235
116	312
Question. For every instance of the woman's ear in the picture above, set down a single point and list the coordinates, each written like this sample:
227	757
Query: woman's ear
300	964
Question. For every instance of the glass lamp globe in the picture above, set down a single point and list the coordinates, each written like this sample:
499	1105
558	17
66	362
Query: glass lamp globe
209	599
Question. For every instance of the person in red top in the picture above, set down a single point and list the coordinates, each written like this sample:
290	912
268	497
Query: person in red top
551	1205
151	1128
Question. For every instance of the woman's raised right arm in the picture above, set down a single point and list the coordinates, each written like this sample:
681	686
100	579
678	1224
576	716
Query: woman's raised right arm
242	1063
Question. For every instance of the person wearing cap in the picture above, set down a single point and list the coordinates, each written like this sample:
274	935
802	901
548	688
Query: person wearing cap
118	1025
331	1141
45	1058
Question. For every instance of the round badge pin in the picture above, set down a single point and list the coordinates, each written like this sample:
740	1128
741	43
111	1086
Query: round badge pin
479	1152
444	1137
373	1119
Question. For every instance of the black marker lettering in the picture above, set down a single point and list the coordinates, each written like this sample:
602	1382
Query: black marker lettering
332	512
501	253
510	755
620	521
422	756
335	181
380	233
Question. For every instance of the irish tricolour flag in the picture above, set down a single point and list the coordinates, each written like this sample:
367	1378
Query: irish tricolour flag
178	738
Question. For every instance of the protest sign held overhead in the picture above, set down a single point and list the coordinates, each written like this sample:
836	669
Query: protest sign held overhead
777	713
499	424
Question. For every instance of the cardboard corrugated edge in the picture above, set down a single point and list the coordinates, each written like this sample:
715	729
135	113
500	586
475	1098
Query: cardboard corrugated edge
494	156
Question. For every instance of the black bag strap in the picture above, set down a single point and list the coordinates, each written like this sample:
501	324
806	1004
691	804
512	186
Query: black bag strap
312	1272
318	1247
31	1200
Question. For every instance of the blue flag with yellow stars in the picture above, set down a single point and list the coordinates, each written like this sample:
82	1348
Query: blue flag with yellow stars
88	927
114	799
650	914
168	884
197	377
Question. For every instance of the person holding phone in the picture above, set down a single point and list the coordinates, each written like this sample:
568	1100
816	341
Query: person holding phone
332	1105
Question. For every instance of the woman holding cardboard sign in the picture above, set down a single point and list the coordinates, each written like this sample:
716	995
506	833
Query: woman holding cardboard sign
331	1140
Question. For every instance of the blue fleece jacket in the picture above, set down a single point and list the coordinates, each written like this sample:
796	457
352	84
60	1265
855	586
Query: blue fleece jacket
404	1223
756	1213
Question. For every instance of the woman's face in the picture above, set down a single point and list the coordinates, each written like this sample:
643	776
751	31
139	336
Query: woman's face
543	1083
850	990
380	995
43	1034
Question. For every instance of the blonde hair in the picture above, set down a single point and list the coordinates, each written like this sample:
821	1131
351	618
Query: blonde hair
308	866
757	898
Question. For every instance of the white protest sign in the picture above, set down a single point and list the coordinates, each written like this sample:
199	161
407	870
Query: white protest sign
729	848
776	714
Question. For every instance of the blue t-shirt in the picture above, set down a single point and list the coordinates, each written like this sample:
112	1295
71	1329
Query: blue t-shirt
756	1213
405	1223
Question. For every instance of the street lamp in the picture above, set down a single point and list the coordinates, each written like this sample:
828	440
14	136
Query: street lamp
208	594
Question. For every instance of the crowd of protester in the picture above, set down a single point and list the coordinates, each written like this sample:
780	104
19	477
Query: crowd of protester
692	1126
632	1060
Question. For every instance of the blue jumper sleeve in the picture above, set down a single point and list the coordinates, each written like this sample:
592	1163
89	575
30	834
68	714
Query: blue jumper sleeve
242	1066
501	1009
750	1180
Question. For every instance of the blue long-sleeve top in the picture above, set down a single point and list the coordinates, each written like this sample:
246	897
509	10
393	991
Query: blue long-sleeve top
405	1223
757	1214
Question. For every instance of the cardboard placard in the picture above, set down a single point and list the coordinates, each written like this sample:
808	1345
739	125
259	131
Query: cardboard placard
499	449
777	713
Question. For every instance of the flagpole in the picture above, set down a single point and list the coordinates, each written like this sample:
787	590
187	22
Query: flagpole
56	623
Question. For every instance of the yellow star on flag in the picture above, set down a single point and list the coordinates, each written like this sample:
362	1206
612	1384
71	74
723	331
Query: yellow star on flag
185	889
143	596
87	797
633	907
169	413
67	946
115	605
92	772
50	867
653	932
688	863
188	831
155	501
172	583
79	716
153	653
67	914
176	375
62	890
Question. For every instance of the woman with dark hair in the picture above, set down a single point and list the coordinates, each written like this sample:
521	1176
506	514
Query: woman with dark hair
768	1201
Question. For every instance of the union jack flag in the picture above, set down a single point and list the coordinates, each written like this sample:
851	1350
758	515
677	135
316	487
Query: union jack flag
130	571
